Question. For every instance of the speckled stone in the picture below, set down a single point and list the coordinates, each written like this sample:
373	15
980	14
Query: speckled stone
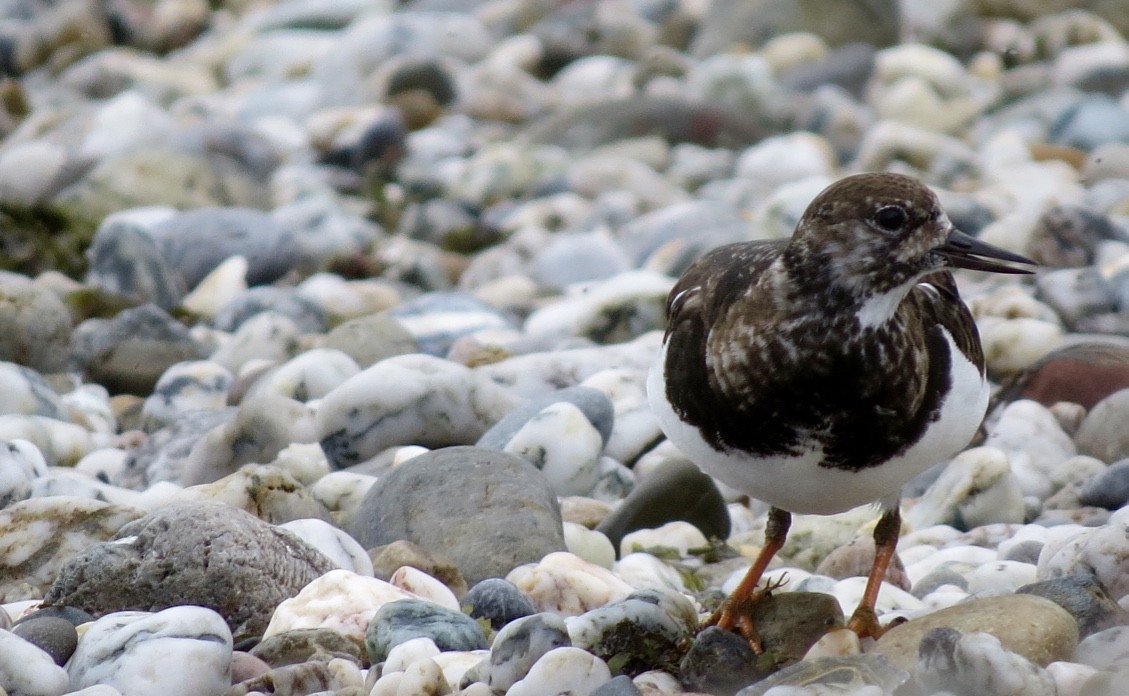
35	326
307	645
251	566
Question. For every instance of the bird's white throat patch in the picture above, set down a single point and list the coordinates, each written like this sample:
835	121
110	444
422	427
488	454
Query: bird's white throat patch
878	309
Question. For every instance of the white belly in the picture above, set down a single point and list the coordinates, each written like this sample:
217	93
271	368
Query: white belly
799	484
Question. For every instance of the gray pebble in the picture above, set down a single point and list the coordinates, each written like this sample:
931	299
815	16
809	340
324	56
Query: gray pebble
488	511
498	601
404	619
53	635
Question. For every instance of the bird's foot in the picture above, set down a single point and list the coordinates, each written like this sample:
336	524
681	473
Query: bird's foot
864	622
736	613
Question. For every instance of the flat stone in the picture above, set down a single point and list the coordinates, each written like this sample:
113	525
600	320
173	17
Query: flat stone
1036	628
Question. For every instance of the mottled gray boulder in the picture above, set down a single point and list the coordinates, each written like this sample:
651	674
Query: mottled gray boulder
487	511
204	554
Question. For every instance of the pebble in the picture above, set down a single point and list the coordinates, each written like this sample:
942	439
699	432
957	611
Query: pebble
192	644
977	488
338	600
1094	550
302	645
22	465
563	670
420	400
977	663
562	434
282	260
35	325
1036	629
498	601
675	490
52	634
404	619
568	585
520	644
200	385
250	567
40	536
462	502
26	669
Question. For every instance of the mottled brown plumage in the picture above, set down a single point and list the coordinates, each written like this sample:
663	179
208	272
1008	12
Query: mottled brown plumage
822	372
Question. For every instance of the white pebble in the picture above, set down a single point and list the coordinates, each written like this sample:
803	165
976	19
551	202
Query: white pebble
340	600
566	584
333	543
424	586
589	544
563	670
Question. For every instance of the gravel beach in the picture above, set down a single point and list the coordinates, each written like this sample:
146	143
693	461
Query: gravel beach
325	328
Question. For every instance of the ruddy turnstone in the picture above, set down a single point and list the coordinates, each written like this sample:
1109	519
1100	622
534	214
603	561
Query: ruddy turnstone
823	372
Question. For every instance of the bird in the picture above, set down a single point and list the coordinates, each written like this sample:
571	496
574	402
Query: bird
822	372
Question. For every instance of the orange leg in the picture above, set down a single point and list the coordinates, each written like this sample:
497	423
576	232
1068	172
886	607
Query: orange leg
864	621
735	614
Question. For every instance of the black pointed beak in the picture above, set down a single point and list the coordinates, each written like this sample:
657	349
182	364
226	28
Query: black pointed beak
963	251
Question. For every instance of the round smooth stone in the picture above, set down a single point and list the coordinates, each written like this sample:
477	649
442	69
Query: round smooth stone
638	632
498	601
1100	434
563	670
406	619
977	663
265	336
333	543
676	490
403	655
199	385
21	463
372	338
26	392
520	644
1084	597
192	645
306	314
487	511
42	535
408	400
130	352
719	661
307	376
1033	627
977	488
338	600
27	669
568	585
53	635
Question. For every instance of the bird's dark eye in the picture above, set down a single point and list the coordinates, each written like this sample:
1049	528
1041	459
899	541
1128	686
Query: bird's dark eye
891	218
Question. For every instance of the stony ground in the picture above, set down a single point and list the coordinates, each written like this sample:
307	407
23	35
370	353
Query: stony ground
324	329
